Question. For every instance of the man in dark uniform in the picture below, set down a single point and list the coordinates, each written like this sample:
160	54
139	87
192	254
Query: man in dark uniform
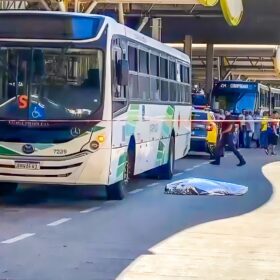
227	139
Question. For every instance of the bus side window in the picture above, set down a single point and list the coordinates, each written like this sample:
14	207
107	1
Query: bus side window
155	82
118	92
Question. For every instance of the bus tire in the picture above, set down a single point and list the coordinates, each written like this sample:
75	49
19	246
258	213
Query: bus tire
7	188
116	191
166	171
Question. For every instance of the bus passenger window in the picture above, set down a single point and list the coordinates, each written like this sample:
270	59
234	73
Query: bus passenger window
154	65
133	86
164	91
188	93
163	68
173	91
143	62
184	74
155	93
172	70
132	59
144	88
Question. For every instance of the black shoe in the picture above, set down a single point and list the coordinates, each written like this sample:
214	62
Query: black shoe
214	162
241	163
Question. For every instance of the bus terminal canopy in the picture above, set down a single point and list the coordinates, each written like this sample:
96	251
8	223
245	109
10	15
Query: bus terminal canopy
232	9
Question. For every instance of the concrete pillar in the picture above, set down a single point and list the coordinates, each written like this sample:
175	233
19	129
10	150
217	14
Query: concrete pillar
120	13
209	69
156	28
223	70
219	68
188	46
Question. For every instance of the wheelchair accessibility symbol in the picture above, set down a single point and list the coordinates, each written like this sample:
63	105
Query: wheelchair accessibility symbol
36	114
37	111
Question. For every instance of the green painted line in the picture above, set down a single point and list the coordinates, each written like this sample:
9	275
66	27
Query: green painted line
121	165
43	146
7	152
160	153
122	158
134	107
120	170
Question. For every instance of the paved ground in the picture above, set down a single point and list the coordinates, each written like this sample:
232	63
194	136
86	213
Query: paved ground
66	233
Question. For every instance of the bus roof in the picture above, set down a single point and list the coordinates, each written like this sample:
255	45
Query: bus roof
116	29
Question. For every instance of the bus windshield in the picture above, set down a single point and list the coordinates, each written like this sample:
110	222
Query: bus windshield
230	97
50	84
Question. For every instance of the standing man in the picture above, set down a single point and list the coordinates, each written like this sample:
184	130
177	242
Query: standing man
227	139
264	133
273	134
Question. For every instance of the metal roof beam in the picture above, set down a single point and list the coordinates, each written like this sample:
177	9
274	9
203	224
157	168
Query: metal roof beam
232	50
266	73
45	5
91	7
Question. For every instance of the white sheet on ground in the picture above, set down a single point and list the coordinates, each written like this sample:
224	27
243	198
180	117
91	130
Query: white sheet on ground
198	186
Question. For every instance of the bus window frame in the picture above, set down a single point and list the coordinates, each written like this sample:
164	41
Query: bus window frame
152	51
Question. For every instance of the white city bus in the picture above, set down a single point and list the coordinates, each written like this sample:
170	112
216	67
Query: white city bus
87	101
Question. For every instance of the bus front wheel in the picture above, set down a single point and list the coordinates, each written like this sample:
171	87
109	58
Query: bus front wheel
7	188
116	191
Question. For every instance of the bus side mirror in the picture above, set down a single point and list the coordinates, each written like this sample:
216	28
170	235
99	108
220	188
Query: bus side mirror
122	72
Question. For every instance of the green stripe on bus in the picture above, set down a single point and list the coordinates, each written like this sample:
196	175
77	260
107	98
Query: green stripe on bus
97	128
121	165
134	106
160	153
170	112
7	152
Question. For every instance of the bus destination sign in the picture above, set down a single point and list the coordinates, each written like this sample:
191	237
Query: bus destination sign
236	85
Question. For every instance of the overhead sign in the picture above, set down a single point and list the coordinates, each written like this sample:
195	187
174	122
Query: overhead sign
243	86
208	2
232	10
239	86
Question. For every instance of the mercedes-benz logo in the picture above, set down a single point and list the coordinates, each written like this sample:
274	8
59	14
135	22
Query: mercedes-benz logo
28	149
75	131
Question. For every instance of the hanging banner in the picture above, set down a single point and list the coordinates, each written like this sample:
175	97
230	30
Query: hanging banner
232	10
208	2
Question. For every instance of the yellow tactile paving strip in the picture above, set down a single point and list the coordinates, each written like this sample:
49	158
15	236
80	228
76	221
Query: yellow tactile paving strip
243	247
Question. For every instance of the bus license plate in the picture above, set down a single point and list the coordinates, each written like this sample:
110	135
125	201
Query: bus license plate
27	165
